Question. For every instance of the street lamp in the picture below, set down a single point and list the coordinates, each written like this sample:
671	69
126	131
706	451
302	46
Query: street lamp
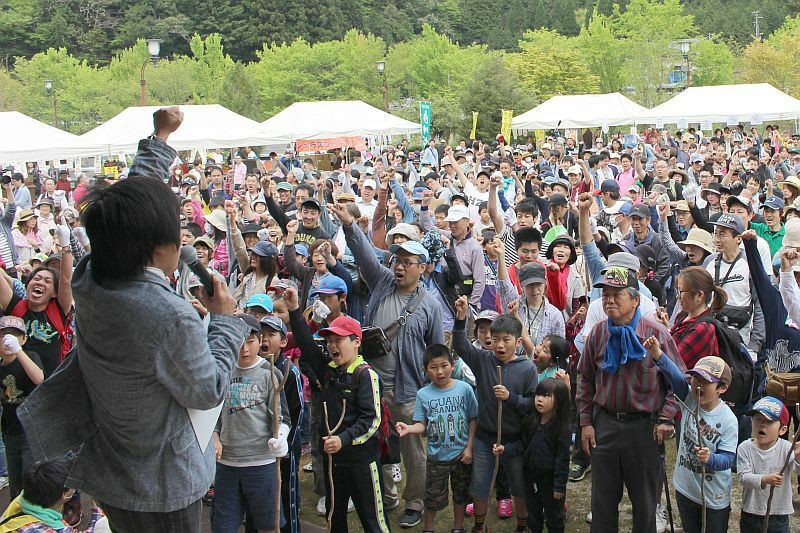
381	66
153	49
48	87
683	44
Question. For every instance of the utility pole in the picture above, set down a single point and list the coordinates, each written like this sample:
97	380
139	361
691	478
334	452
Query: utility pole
756	22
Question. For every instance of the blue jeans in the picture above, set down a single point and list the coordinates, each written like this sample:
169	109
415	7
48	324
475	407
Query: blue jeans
692	516
240	489
483	467
751	523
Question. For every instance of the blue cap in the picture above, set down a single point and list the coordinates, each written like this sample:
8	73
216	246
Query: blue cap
418	192
412	247
626	208
260	300
251	322
773	202
275	323
329	284
301	249
265	249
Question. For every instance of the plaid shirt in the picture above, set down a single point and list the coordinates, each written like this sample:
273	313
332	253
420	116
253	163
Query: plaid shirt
637	387
694	339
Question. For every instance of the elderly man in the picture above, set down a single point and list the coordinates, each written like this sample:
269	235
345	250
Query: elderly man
398	296
624	408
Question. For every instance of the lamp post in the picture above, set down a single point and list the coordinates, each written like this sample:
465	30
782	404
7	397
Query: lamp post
381	66
684	46
153	48
48	87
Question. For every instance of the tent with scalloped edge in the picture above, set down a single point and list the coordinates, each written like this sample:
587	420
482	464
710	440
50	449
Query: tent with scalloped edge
23	138
577	111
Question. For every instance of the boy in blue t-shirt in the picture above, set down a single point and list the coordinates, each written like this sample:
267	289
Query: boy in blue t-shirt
446	409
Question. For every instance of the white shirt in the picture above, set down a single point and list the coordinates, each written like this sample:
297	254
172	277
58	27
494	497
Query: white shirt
790	293
367	208
751	463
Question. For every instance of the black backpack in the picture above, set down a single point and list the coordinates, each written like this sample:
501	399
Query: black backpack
733	351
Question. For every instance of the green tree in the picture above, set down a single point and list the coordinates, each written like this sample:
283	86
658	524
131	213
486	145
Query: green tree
712	63
603	52
17	20
239	92
562	17
774	61
733	19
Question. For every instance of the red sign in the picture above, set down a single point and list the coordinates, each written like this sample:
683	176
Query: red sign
324	145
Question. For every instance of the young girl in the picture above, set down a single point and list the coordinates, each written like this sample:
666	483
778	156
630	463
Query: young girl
551	356
546	437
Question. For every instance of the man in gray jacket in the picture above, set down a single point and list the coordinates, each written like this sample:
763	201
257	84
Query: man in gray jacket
143	358
398	296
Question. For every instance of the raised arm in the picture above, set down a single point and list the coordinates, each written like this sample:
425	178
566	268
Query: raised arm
379	217
154	155
372	271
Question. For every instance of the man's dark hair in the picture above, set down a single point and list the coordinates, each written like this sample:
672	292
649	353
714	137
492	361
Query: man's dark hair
437	350
507	324
126	222
488	234
16	176
194	228
44	482
604	155
356	153
527	206
527	236
215	202
306	187
441	208
594	160
627	156
507	160
308	160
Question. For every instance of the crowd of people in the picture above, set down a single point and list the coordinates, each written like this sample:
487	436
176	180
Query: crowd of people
488	322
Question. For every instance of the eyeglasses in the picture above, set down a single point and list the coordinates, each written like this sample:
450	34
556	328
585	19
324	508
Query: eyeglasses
405	262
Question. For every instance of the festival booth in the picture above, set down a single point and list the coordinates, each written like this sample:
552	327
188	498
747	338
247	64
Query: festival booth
578	112
319	127
204	127
24	139
724	104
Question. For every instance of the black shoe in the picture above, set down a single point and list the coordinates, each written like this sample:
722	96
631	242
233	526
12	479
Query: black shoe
410	518
578	472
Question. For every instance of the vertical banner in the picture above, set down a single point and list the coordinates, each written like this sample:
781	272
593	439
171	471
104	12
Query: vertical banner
474	124
505	127
425	121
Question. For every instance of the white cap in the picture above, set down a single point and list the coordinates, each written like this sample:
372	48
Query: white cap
446	161
369	171
613	155
370	183
574	169
456	213
791	236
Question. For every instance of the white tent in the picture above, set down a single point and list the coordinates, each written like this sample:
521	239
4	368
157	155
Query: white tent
729	104
203	127
579	111
326	120
25	139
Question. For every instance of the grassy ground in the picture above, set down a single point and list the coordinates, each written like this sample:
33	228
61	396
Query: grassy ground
578	505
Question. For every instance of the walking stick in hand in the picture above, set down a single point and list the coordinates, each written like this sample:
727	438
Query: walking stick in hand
696	414
276	428
330	455
499	432
765	523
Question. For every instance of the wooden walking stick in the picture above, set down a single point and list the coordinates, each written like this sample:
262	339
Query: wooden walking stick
696	414
499	433
276	428
765	523
330	455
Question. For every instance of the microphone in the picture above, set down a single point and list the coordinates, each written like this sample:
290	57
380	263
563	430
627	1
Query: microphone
189	258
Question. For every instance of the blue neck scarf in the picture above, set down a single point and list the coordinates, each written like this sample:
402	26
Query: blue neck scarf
623	345
507	182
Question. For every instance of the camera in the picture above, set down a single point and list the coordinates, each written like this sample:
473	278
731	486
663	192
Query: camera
5	175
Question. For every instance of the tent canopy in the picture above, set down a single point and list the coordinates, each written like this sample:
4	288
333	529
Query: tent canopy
203	127
579	111
728	104
326	120
25	139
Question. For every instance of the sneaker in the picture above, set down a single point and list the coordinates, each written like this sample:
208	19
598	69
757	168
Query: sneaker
350	506
389	505
661	519
397	475
589	518
505	508
470	509
578	472
321	506
410	518
309	467
3	482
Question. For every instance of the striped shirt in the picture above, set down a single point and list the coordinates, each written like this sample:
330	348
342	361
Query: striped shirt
637	387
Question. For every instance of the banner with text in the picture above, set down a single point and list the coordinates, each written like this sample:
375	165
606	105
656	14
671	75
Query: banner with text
505	127
425	121
323	145
474	124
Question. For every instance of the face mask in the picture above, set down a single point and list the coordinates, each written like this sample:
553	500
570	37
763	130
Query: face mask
470	158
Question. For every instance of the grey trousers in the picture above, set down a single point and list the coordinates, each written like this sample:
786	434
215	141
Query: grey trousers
186	520
412	451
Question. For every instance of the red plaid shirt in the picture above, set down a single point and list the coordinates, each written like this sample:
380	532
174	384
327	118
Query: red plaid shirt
694	339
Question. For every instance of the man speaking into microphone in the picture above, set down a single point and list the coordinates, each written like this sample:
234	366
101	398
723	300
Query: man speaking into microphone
143	354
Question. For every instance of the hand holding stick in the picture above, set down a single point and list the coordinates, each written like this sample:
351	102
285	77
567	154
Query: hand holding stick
330	455
276	428
696	414
765	523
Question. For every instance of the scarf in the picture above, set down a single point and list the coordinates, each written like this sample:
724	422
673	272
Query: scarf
507	182
557	287
49	517
623	344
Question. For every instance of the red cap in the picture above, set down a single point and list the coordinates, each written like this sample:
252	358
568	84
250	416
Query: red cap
344	326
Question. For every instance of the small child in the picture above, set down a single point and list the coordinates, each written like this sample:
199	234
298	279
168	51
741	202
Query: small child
713	454
20	373
446	410
758	464
516	391
546	442
551	356
244	443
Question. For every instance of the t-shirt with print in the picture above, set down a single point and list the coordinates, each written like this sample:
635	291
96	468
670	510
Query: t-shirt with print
446	414
43	338
16	387
475	198
735	279
720	433
489	297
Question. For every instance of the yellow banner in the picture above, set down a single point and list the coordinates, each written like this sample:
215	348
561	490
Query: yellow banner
505	127
474	124
539	136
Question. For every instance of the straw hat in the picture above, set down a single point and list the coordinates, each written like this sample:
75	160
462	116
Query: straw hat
700	238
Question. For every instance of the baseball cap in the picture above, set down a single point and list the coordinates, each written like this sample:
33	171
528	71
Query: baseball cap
487	315
208	243
329	284
712	188
635	187
730	221
370	183
416	194
456	213
531	273
557	200
265	249
260	300
412	247
13	322
574	169
250	228
773	202
608	186
301	249
312	203
772	408
281	285
274	322
619	277
252	322
188	181
696	158
285	186
623	259
712	369
743	200
640	210
343	326
622	206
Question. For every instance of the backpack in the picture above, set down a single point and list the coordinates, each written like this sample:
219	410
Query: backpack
54	316
388	439
733	351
